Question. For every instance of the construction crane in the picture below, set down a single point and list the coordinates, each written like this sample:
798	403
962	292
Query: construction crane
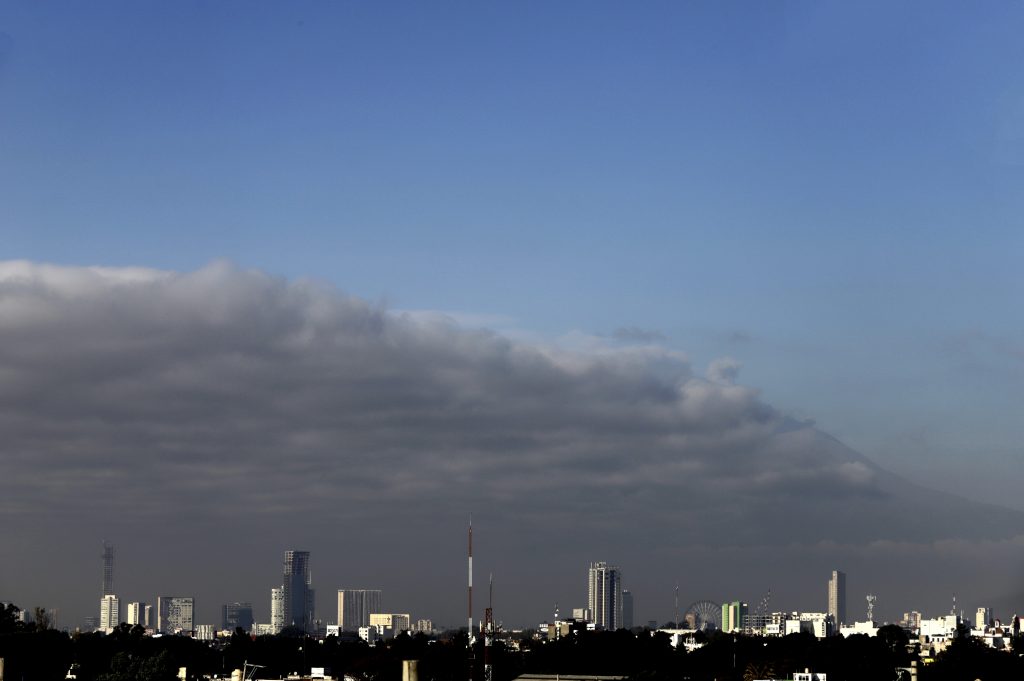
760	620
763	607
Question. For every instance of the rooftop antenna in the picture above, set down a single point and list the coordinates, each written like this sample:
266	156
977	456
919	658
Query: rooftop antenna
678	626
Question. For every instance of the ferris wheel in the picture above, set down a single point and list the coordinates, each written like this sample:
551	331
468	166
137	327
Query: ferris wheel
707	615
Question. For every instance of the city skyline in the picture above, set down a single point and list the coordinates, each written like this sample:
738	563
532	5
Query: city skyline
604	582
722	296
359	608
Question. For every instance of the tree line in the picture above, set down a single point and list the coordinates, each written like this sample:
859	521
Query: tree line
35	651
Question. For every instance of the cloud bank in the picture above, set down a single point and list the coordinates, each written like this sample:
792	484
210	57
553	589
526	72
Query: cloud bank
213	397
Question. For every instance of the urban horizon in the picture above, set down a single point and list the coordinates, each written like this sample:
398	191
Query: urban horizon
719	294
671	611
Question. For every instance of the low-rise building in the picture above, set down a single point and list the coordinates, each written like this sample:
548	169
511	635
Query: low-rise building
370	634
866	628
390	624
939	628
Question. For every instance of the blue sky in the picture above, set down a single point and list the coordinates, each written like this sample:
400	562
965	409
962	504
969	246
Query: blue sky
828	192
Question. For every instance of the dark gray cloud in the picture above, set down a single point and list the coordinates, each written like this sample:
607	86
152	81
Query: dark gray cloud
226	412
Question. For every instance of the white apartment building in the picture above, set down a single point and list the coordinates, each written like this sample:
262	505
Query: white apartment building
138	613
939	628
277	609
867	628
818	624
110	613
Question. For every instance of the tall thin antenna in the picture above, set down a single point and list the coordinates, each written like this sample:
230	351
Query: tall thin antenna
469	632
678	625
469	611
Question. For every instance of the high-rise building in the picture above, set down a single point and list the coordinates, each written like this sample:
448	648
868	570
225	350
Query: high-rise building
983	618
147	616
604	595
627	609
236	615
837	598
299	607
138	614
277	609
110	613
108	586
355	607
174	614
732	616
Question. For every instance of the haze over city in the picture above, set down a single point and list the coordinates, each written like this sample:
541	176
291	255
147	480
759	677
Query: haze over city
725	295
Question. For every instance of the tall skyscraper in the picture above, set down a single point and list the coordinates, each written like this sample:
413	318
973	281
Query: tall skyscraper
108	591
983	618
298	595
108	569
627	609
235	616
110	613
837	598
174	613
355	607
604	595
